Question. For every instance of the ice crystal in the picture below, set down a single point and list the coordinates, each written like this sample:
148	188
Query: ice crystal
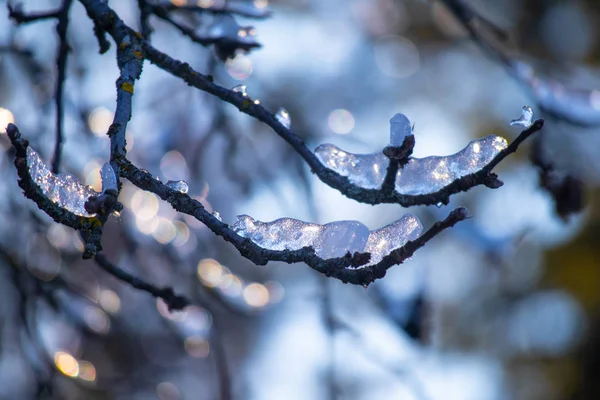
63	189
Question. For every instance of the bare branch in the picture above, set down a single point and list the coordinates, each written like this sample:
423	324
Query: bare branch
61	64
105	17
222	8
173	301
17	15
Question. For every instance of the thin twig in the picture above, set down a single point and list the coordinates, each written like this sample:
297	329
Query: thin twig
61	65
172	300
17	15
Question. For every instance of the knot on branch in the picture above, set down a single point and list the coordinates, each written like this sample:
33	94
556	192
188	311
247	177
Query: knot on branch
401	154
104	204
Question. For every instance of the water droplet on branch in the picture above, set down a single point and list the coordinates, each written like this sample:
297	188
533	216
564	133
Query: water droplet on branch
283	116
180	186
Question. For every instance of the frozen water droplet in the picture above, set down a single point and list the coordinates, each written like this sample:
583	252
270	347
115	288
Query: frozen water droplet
240	89
256	101
63	189
180	186
217	215
439	205
341	237
526	118
400	127
109	178
283	116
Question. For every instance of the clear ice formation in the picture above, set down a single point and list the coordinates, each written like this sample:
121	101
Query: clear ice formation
400	127
526	118
109	178
63	189
283	116
330	240
420	175
180	186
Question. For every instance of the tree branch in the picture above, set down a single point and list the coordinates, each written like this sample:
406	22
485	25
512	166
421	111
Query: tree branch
106	18
61	64
17	15
173	301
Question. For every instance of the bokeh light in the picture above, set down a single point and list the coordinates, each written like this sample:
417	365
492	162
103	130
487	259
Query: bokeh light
341	121
6	117
196	346
109	301
66	363
239	67
87	371
210	272
167	391
397	57
256	295
100	120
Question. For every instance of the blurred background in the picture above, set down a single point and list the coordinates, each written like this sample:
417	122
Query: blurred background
502	306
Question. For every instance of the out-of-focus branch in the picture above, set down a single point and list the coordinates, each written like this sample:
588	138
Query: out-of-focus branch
61	65
145	13
222	7
173	301
17	15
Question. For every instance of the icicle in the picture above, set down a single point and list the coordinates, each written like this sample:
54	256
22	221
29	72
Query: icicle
420	175
180	186
283	116
109	178
62	189
526	118
400	127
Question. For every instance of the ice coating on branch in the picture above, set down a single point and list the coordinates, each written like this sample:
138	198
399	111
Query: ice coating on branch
331	240
283	116
281	234
63	189
420	175
109	178
340	237
180	186
526	118
364	170
395	235
400	127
